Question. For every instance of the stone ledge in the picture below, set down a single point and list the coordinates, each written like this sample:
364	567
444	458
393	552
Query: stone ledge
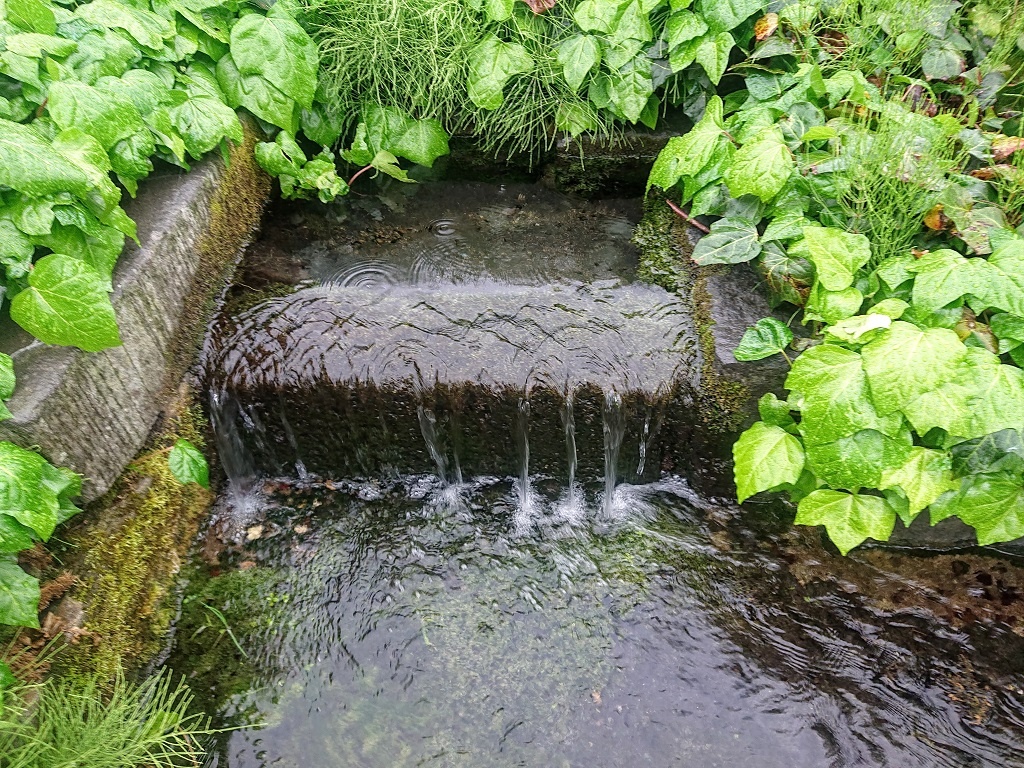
93	412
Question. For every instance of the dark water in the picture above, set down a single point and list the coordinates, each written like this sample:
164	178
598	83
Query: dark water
408	624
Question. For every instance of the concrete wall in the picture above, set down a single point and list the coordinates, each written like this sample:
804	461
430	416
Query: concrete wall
92	412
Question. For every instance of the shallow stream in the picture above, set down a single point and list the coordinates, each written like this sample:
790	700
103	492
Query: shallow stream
556	614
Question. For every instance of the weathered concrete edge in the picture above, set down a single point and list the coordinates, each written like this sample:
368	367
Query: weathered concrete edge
92	412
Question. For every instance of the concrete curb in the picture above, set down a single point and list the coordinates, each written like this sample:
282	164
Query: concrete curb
93	412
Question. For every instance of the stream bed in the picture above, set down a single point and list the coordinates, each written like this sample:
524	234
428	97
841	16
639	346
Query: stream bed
455	529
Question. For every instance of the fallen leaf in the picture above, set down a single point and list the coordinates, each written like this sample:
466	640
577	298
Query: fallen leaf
539	6
765	26
254	533
1004	146
935	220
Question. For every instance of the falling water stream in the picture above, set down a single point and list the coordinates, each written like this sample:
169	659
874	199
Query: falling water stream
466	541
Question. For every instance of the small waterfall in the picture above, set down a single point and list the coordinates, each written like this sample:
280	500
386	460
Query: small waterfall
614	430
645	436
523	444
428	426
229	419
569	422
300	468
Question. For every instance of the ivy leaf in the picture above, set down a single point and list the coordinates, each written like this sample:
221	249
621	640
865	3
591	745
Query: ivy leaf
14	537
188	465
860	329
147	28
923	478
731	241
994	506
836	255
831	388
19	596
687	155
491	64
109	117
789	278
995	395
775	412
1005	288
66	303
498	10
684	26
907	362
575	118
630	91
849	518
765	457
578	56
28	164
597	15
22	495
422	142
203	122
258	95
858	460
277	49
1001	451
88	154
765	338
724	15
832	306
33	15
944	276
713	55
891	308
761	167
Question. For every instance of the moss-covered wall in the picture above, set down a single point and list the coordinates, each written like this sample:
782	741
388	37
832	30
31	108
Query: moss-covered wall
128	546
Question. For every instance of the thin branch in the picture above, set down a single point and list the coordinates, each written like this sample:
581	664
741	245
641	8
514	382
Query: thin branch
687	218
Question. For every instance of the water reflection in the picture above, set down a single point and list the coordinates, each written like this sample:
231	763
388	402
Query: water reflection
411	623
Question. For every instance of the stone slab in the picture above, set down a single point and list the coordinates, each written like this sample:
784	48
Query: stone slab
92	412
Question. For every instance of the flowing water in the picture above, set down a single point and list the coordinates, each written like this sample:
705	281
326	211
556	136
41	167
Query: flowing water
453	533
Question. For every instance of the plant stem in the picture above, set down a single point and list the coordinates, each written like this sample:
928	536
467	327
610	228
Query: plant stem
687	218
357	174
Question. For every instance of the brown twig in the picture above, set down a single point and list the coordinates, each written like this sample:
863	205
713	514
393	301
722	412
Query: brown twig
687	218
359	173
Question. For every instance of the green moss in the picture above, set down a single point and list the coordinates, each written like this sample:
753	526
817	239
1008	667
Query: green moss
665	251
128	550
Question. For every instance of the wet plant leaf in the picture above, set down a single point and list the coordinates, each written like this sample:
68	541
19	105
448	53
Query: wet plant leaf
994	507
923	478
761	167
578	56
19	596
765	338
731	241
188	465
849	518
765	457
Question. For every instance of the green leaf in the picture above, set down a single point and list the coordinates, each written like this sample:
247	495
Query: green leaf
765	457
258	95
109	117
942	63
836	255
687	155
422	141
761	167
1005	286
86	153
277	49
849	518
28	164
22	495
923	478
860	329
33	15
724	15
14	537
995	395
188	465
829	385
6	376
944	276
575	118
832	306
7	679
597	15
630	92
858	460
999	452
731	241
145	27
766	338
994	506
713	55
499	10
491	64
906	362
775	412
19	596
203	122
578	55
66	303
684	26
891	308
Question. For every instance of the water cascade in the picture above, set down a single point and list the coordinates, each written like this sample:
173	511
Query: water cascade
523	446
614	430
428	427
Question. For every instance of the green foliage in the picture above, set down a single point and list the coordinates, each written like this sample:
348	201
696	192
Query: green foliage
768	337
187	463
80	723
